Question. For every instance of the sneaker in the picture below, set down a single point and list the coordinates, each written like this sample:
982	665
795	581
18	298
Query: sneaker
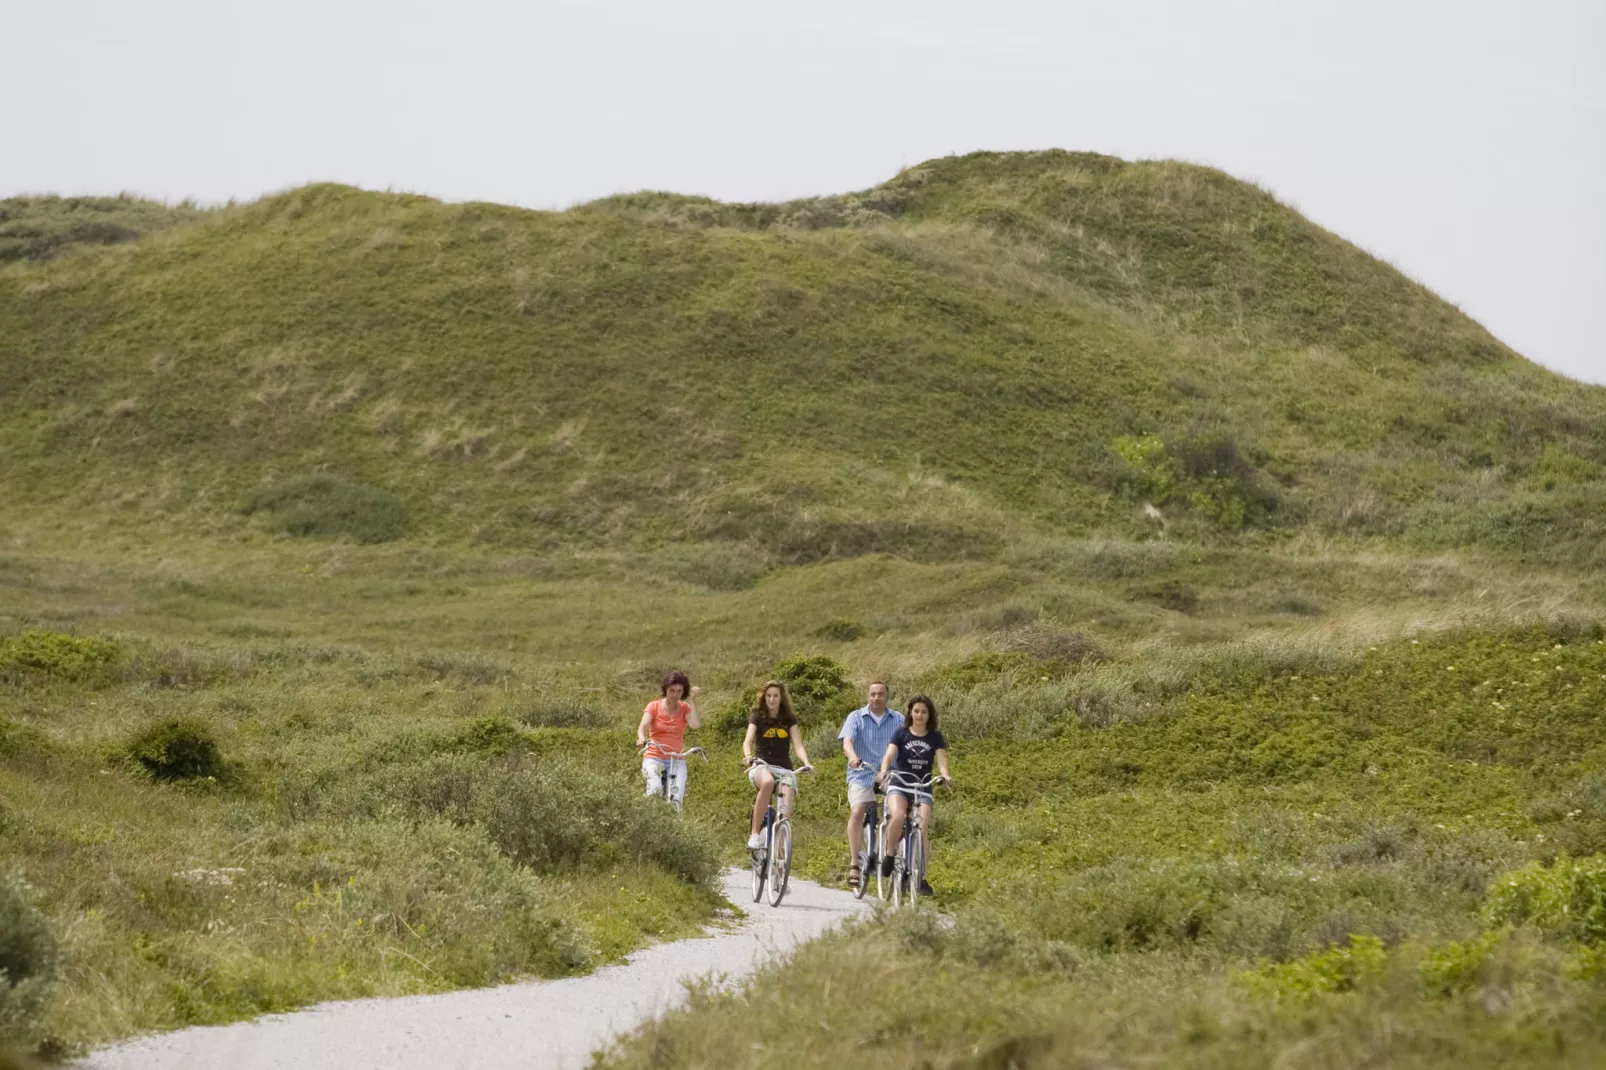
925	889
886	865
755	842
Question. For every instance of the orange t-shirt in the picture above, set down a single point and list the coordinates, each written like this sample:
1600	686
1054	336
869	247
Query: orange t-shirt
668	730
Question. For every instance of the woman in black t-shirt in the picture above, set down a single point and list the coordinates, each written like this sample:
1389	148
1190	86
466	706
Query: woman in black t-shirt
915	750
772	734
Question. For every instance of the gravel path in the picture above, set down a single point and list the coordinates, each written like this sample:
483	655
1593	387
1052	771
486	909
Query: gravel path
535	1024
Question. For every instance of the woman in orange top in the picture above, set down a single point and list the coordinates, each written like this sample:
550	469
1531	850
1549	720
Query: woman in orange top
662	735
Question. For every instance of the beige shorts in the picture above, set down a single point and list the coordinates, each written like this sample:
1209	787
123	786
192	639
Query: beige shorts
786	778
859	794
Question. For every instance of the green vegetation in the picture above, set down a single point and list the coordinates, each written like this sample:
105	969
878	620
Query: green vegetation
347	533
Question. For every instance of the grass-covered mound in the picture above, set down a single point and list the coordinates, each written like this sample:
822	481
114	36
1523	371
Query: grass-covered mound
982	347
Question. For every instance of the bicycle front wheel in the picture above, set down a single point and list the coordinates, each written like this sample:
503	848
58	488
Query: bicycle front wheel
780	862
866	859
917	865
761	867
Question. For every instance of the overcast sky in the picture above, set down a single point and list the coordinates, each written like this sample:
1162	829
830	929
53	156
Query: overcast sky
1462	140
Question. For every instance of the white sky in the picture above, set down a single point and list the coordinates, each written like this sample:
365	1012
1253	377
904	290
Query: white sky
1463	140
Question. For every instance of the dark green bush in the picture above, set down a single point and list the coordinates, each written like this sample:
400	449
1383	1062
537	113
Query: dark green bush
38	656
842	630
819	687
177	749
489	735
28	962
327	506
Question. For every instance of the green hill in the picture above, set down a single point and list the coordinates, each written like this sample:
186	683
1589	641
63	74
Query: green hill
928	368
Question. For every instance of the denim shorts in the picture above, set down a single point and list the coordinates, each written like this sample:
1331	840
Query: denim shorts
910	793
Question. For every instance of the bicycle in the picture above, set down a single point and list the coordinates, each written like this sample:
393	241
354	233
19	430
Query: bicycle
772	863
870	856
909	863
669	758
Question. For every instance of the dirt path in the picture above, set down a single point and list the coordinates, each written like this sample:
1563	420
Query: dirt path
537	1024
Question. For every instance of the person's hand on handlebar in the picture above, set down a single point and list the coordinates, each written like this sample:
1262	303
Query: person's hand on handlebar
809	769
857	763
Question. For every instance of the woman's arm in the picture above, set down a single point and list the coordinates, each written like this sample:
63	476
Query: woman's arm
644	729
748	741
797	744
942	765
692	720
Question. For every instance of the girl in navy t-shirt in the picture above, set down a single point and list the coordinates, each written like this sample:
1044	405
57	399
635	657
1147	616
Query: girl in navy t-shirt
916	749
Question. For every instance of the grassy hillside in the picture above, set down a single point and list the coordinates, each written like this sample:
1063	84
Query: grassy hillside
983	347
346	533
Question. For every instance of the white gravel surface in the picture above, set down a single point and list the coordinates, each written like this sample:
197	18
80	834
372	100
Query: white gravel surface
535	1024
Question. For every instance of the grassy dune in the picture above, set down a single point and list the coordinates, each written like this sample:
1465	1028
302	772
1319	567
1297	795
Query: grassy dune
345	535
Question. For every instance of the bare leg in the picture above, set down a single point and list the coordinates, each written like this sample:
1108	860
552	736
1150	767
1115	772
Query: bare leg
897	810
856	832
761	801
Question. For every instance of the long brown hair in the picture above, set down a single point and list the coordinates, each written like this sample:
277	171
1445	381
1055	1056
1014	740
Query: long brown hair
931	713
785	712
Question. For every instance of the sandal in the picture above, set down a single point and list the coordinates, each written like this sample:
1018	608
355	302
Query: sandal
853	876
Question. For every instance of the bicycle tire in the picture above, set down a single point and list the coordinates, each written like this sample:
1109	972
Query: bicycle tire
917	865
761	865
883	886
867	857
780	861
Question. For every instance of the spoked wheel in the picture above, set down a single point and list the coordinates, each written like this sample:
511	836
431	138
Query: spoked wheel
780	861
867	858
899	876
761	866
883	886
917	866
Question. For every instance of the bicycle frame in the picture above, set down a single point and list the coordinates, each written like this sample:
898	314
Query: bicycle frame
772	866
909	857
669	758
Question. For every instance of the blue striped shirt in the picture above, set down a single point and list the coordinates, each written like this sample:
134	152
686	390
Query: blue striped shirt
870	740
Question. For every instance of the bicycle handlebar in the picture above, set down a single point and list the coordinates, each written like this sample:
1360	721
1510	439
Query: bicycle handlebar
672	755
755	760
913	782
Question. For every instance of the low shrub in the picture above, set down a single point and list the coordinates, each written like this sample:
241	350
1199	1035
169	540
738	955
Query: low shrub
327	506
1566	898
177	749
547	813
28	962
39	656
1337	969
489	735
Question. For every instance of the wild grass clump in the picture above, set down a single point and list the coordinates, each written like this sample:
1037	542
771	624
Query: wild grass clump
715	566
177	749
29	959
326	506
566	711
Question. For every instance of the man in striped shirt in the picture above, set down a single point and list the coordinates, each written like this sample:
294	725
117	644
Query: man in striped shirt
865	736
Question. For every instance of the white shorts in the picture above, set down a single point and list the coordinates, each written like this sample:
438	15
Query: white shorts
786	778
860	793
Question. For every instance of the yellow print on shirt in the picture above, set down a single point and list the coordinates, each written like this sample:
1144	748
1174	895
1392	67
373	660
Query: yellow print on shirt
775	733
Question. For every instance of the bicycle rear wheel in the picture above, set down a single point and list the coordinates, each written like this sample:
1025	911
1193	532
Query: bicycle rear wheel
780	861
